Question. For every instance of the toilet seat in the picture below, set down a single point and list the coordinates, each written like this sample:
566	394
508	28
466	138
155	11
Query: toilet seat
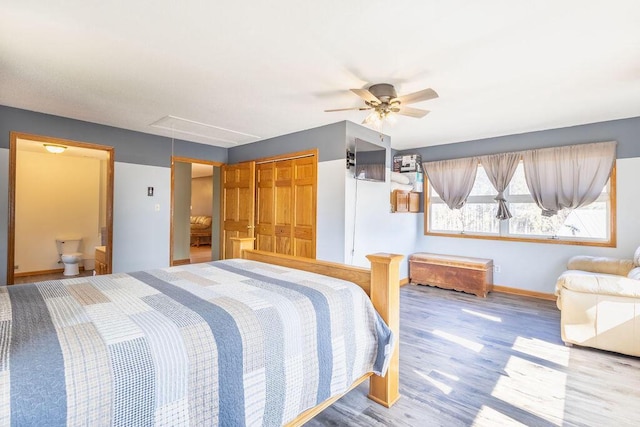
74	254
70	261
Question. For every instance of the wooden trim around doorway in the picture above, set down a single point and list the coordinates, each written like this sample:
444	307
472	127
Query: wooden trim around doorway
175	159
13	148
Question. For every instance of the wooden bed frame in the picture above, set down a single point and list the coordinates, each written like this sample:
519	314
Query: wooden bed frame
381	283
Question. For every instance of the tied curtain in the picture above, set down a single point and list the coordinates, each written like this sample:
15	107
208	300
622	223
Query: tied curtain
500	169
452	179
568	177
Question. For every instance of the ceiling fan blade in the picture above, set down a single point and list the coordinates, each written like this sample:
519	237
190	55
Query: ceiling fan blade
366	95
348	109
414	97
413	112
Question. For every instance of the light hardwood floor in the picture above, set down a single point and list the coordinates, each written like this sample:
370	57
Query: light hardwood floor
51	276
200	253
492	362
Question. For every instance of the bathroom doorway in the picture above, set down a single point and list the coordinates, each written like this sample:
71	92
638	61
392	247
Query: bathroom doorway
58	189
195	211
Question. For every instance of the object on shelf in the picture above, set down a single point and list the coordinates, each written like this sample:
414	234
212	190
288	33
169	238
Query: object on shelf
407	163
405	201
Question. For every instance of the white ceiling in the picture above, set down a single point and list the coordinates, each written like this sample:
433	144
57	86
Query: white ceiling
265	69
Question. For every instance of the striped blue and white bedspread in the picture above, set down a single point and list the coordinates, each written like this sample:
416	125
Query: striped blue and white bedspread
231	342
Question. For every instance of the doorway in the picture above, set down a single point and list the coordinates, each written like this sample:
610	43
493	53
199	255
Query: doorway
195	211
58	188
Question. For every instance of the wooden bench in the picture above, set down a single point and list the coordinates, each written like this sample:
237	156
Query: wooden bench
472	275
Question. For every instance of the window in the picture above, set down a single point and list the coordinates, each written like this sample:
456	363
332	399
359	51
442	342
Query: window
589	224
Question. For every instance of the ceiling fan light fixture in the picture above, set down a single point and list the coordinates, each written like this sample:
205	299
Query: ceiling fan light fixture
377	118
391	118
385	103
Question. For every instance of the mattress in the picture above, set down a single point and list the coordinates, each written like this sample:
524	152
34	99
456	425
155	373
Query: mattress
232	342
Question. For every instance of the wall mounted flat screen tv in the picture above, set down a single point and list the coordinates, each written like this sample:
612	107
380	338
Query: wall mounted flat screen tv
370	161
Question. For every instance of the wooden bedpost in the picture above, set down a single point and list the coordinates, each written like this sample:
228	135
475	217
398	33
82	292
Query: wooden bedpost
385	296
239	244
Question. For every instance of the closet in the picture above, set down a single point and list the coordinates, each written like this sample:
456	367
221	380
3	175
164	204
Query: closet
273	200
286	206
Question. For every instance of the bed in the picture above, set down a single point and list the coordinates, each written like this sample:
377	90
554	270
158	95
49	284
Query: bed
245	341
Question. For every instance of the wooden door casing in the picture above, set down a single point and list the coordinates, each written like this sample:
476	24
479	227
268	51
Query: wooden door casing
238	203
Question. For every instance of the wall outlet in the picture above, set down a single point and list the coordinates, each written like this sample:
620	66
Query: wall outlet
496	268
16	267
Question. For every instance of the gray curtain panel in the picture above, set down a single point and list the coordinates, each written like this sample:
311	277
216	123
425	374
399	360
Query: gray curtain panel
452	179
500	169
568	177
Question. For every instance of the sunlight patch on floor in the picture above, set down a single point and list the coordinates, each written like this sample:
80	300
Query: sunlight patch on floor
484	316
556	353
471	345
534	388
489	417
437	384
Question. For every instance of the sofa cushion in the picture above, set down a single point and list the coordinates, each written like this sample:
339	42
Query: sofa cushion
595	283
200	222
604	265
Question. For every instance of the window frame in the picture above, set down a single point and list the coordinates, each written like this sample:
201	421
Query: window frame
562	240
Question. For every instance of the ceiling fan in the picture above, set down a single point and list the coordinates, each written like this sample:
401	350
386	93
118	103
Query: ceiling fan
384	101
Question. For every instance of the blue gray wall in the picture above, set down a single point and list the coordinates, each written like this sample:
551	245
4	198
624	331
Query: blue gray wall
140	219
130	147
144	160
329	140
625	131
535	266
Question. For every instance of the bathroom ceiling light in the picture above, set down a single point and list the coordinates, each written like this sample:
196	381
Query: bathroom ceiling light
55	148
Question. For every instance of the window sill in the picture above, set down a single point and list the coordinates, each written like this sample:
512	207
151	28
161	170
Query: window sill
603	244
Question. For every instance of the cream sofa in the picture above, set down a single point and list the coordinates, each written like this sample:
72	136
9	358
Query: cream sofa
599	299
200	230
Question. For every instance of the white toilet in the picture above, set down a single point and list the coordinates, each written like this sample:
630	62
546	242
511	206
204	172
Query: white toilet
68	250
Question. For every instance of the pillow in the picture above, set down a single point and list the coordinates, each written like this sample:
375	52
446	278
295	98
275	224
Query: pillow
605	265
636	257
399	178
634	274
403	187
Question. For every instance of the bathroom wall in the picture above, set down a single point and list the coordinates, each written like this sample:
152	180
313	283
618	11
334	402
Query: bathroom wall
103	198
56	196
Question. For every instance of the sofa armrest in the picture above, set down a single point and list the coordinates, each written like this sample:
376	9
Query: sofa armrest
605	265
